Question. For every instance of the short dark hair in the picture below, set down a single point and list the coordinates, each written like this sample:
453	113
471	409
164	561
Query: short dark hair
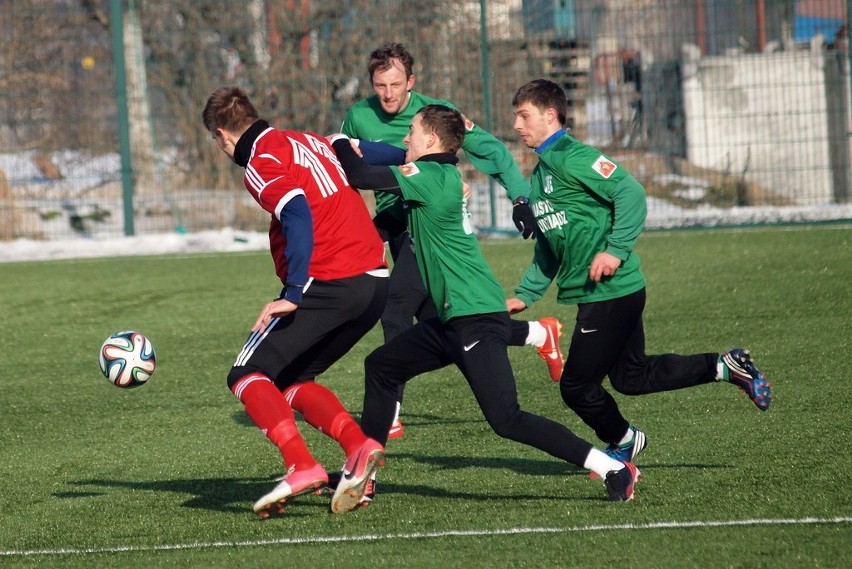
229	108
447	123
380	59
543	94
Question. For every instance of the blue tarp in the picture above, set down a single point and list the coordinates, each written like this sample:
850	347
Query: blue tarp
806	27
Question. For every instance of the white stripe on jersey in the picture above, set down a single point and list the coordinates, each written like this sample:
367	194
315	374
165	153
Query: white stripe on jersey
256	140
251	174
303	156
253	342
286	199
256	182
270	156
321	147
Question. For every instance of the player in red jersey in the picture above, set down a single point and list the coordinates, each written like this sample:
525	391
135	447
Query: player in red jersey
331	261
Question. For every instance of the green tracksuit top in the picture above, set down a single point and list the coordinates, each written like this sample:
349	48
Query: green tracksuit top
367	120
456	274
584	203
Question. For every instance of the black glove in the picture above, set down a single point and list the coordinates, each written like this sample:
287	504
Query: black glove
523	217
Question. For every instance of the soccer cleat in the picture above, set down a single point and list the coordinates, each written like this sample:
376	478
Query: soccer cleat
396	430
355	478
620	483
738	369
369	493
295	483
628	451
550	351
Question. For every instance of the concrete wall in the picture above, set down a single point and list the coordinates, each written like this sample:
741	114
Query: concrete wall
766	116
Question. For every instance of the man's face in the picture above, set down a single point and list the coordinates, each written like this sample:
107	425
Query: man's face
418	141
532	124
391	85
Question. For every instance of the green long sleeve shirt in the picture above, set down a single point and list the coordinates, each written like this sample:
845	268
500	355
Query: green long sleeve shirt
584	203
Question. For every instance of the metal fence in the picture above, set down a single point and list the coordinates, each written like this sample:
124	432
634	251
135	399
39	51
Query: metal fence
728	111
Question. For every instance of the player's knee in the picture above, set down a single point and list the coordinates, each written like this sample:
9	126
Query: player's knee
370	363
373	367
573	393
236	374
506	424
379	372
504	429
627	384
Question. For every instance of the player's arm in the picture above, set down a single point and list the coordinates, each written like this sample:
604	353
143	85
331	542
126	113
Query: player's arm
380	153
630	210
297	227
389	221
491	157
361	174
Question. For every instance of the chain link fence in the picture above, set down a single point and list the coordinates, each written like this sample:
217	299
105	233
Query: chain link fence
728	111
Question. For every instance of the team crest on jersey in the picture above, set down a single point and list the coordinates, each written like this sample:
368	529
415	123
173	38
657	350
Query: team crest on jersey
409	169
468	124
548	184
604	166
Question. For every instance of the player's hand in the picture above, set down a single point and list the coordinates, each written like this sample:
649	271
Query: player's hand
353	142
271	310
515	305
603	265
523	217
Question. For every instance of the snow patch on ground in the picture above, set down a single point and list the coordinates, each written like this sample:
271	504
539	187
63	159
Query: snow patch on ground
225	240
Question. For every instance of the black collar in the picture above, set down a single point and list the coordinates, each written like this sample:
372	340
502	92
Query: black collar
242	150
440	158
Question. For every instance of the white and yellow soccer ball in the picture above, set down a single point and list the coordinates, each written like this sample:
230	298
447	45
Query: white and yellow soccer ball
127	359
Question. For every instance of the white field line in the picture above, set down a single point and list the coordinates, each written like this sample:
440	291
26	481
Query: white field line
427	535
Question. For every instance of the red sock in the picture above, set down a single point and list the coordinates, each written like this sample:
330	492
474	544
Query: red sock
268	409
321	408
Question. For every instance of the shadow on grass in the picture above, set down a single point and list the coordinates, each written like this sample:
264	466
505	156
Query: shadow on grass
525	466
217	494
542	491
235	495
432	492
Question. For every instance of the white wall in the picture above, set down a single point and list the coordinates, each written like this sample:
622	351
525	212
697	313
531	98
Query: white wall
764	115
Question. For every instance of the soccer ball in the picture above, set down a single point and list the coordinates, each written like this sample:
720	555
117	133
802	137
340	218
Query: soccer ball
127	359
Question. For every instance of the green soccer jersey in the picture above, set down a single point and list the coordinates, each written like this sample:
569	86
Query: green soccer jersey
368	121
584	203
456	274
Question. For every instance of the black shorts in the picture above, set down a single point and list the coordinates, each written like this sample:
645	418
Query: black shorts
331	318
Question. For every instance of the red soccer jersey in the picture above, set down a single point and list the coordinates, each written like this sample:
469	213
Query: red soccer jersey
284	164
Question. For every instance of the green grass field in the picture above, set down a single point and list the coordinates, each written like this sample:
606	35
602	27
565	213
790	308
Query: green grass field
165	475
